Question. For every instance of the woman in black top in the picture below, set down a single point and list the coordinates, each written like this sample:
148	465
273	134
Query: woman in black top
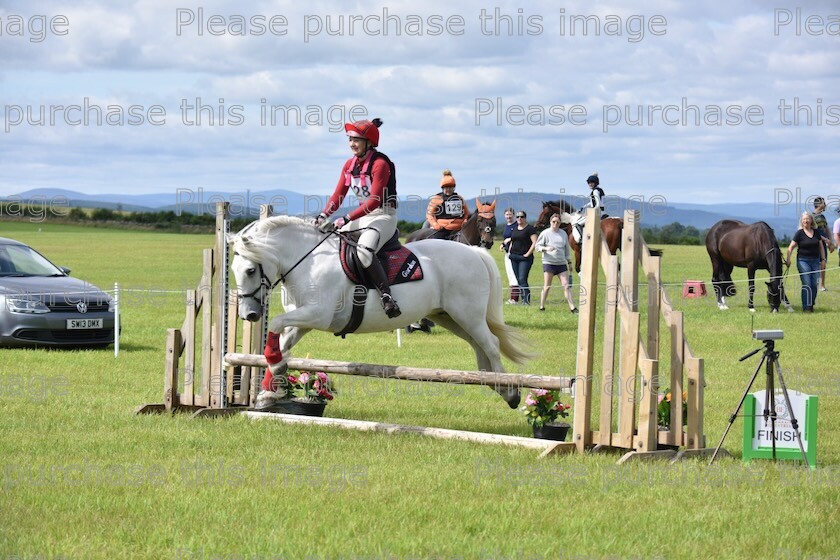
810	255
523	239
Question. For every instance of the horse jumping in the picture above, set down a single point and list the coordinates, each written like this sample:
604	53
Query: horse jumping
610	227
461	289
731	243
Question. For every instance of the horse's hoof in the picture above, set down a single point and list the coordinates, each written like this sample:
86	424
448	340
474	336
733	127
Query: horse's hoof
752	309
266	400
790	309
411	328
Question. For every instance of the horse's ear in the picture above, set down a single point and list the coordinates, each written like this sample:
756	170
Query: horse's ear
493	206
478	205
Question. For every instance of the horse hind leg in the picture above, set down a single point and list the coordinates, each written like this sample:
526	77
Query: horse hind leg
487	359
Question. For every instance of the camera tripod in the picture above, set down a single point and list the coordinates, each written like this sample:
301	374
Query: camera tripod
770	358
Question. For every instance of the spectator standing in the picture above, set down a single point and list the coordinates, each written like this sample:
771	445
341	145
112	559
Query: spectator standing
510	223
821	225
836	230
553	243
809	256
523	239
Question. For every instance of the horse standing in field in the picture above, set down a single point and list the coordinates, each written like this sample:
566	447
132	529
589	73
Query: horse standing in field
611	228
731	243
459	287
479	229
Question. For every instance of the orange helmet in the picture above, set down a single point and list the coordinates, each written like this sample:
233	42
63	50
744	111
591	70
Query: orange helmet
368	130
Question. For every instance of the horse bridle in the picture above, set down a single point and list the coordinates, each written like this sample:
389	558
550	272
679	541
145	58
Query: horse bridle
487	229
265	281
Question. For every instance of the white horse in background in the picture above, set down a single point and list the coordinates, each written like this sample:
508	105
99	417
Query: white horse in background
461	290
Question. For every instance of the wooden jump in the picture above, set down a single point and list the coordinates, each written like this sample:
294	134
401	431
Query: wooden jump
489	378
548	447
218	370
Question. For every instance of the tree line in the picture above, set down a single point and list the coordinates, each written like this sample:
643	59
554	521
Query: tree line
167	220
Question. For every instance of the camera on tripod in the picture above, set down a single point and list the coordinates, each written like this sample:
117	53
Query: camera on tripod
769	335
769	359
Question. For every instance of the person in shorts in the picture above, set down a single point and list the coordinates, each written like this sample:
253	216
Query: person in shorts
553	243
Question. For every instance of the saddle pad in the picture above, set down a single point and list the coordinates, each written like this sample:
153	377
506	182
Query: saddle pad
400	265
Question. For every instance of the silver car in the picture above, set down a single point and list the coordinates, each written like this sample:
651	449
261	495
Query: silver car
41	305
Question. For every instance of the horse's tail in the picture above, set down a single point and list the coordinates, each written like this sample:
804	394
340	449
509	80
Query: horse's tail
512	343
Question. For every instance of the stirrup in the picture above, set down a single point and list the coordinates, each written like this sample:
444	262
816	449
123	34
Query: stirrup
390	305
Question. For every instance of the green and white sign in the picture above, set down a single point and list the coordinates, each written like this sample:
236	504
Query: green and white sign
758	435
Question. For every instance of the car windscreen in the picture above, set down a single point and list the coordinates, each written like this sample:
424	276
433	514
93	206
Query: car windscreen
20	260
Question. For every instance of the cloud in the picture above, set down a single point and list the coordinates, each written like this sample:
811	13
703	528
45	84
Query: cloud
427	83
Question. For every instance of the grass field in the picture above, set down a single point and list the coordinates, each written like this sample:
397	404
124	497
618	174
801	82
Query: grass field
85	478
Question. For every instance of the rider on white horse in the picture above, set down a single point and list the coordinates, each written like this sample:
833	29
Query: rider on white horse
371	176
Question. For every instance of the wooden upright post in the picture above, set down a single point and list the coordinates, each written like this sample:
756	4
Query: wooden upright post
586	329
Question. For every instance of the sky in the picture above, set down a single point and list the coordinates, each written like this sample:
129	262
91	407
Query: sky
695	102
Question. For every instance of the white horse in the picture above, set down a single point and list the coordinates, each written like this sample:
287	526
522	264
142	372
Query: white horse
461	290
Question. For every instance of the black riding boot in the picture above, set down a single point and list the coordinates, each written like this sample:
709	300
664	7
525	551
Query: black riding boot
377	274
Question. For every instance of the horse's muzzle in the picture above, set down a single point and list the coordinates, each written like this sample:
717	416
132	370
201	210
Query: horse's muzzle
253	316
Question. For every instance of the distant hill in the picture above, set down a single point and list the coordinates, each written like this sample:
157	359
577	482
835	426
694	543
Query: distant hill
413	208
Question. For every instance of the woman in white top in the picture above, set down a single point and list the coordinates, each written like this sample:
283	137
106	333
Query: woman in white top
553	243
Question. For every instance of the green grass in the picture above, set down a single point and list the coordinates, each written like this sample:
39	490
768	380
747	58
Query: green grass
85	478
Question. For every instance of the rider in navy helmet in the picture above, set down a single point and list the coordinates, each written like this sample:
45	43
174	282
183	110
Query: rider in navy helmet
596	194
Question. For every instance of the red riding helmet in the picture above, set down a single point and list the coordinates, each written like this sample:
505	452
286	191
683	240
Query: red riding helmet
368	130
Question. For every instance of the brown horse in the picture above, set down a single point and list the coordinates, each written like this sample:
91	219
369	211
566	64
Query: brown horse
479	229
731	243
610	227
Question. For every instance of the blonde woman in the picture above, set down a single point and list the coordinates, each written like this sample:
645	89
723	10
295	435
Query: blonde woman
809	257
553	243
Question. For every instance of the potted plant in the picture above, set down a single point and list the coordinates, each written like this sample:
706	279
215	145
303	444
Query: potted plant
663	409
542	408
307	393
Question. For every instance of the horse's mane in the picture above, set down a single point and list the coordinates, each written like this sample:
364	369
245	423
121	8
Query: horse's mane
562	204
254	241
764	227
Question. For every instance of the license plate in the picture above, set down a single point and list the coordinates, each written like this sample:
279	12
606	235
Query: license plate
84	324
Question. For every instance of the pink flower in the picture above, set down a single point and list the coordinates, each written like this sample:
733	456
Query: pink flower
322	376
529	400
293	379
304	377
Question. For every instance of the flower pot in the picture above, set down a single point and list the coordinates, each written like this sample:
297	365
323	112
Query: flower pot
299	406
552	430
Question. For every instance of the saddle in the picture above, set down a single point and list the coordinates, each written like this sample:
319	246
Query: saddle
398	262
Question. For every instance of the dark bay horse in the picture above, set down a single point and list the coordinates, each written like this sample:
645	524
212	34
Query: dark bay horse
479	229
731	243
610	227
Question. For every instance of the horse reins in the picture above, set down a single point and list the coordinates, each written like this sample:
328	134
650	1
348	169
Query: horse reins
265	282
